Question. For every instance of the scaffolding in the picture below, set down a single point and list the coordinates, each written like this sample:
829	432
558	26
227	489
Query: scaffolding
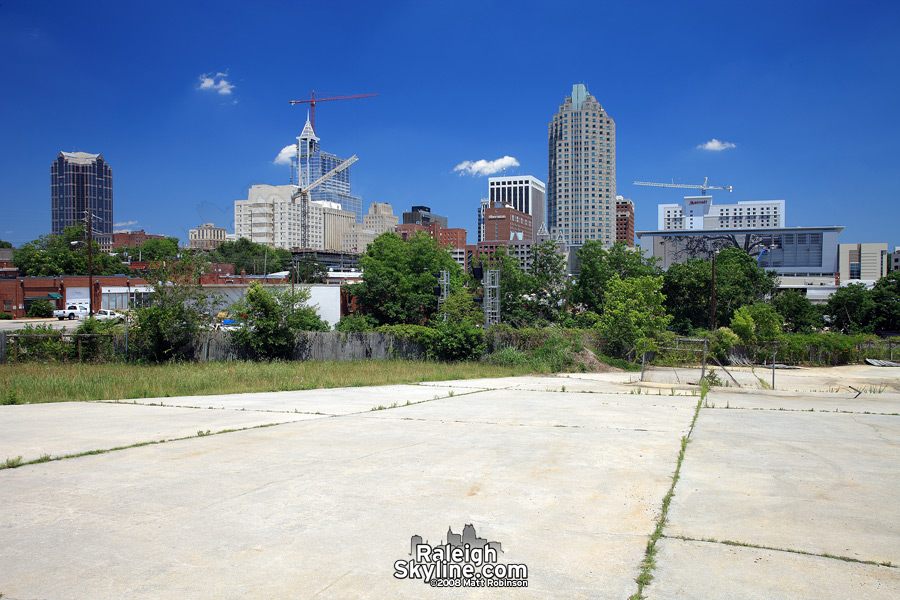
492	298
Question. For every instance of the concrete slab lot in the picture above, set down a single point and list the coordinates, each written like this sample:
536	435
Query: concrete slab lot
786	494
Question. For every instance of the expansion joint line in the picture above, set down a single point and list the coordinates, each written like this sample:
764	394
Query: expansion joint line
860	561
649	562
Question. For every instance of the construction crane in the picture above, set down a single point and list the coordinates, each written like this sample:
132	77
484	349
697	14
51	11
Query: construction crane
702	188
303	194
312	103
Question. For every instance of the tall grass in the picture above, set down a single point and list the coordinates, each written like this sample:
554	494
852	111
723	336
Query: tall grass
78	382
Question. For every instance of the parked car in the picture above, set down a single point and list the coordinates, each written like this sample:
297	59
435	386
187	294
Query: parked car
71	312
104	314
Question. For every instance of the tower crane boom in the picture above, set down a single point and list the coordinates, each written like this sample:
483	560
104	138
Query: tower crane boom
702	187
312	103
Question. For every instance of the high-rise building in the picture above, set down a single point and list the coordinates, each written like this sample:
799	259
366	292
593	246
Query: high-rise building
422	215
524	193
625	221
581	185
81	183
381	218
314	163
699	212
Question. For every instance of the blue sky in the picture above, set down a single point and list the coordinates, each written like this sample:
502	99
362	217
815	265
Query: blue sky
807	92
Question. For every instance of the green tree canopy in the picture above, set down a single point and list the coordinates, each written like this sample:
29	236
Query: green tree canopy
634	315
800	316
255	259
599	264
156	249
398	280
178	308
687	287
548	282
4	244
851	309
886	297
65	254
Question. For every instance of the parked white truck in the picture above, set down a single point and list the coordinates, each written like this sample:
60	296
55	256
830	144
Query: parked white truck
72	312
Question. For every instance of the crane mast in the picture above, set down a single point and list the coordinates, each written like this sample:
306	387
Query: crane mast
303	194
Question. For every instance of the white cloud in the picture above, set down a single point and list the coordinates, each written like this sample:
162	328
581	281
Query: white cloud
716	145
216	83
287	153
125	223
486	167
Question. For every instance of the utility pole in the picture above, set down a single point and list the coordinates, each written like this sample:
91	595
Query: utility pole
712	309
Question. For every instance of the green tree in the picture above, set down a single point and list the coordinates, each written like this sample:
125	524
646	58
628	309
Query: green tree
757	322
739	281
156	249
254	259
65	254
634	315
4	244
850	309
548	282
800	315
515	308
599	264
272	317
398	280
886	298
40	309
178	309
459	307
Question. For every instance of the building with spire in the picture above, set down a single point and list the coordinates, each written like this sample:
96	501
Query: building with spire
81	183
314	163
581	184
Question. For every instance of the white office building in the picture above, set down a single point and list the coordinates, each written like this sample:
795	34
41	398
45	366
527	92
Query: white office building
699	212
525	193
269	216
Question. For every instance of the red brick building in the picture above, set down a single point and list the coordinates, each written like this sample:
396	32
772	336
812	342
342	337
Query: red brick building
110	291
452	237
503	223
133	239
625	221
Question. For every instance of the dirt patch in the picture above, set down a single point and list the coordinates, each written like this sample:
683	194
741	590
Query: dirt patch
591	363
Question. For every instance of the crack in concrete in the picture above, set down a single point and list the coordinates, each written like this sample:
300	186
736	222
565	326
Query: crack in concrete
684	538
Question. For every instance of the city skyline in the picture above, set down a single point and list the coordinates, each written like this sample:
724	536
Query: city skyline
781	102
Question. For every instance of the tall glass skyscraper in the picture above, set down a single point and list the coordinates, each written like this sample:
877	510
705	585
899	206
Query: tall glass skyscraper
581	186
314	163
81	182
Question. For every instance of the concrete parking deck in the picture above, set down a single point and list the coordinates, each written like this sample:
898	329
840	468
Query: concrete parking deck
786	494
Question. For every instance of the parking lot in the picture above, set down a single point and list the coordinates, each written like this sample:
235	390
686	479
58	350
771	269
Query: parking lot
792	493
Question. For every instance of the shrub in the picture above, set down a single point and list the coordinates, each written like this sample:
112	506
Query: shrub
4	316
47	346
273	318
355	323
456	341
721	342
40	309
418	334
